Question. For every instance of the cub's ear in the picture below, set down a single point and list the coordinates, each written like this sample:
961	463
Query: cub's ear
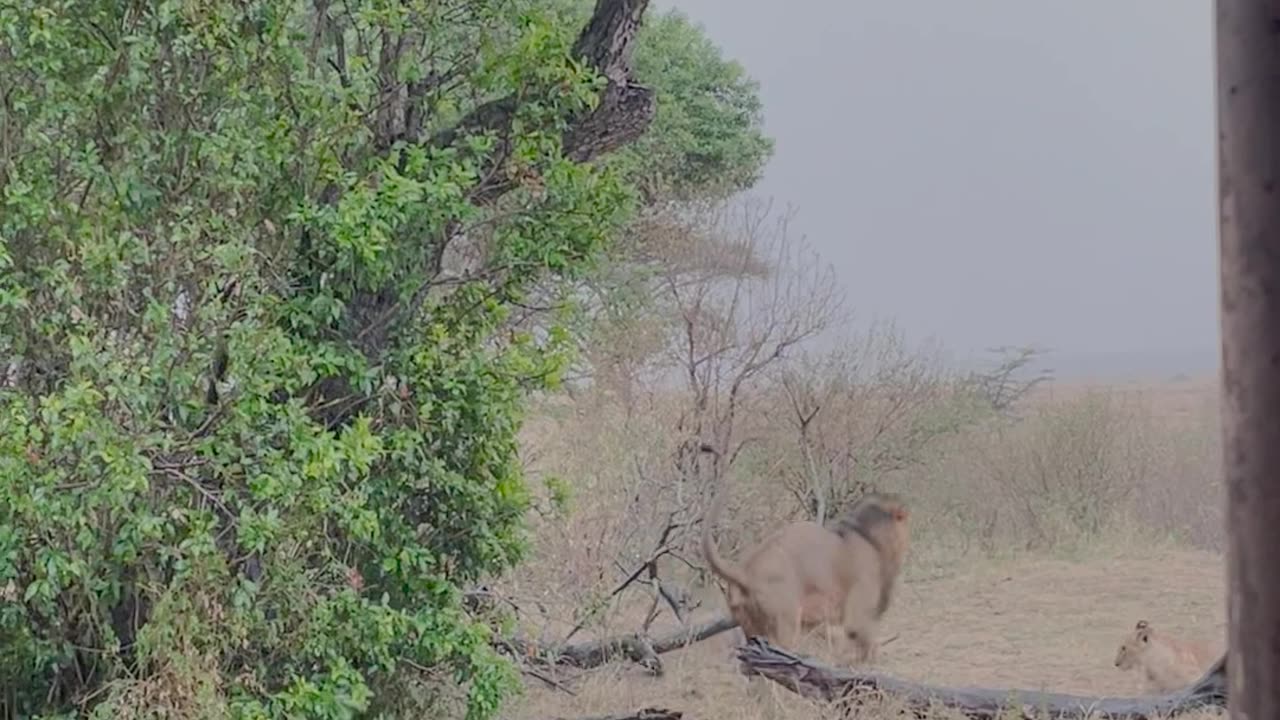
1142	625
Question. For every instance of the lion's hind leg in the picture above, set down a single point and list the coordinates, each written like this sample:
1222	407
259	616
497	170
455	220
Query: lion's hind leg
859	623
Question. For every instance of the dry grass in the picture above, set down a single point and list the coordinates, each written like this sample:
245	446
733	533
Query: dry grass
1178	422
1139	460
1040	624
1038	545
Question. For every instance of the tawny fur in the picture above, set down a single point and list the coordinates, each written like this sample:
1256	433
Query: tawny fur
805	575
1166	662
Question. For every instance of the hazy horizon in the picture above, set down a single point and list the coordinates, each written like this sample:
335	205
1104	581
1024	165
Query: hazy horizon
999	173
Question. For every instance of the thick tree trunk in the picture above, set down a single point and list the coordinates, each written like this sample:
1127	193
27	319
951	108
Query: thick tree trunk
822	682
1248	102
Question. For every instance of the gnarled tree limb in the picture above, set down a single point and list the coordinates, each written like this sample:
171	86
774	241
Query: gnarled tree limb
623	114
643	714
823	682
625	110
635	647
605	45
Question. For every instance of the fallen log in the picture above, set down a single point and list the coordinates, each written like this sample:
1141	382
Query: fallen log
688	636
644	714
815	680
636	647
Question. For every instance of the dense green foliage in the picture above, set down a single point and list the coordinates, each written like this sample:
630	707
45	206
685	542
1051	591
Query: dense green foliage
215	498
255	433
707	140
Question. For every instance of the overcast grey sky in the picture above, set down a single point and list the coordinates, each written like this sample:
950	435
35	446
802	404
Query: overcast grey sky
997	171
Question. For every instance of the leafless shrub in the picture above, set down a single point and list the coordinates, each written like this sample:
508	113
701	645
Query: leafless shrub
1003	386
859	412
1075	464
732	330
730	293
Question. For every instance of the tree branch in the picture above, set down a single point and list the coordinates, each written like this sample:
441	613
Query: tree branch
643	714
625	110
815	680
635	647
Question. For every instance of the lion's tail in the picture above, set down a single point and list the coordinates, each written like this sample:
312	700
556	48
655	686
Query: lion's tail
722	567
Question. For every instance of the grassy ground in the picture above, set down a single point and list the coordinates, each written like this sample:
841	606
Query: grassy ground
1034	623
1036	548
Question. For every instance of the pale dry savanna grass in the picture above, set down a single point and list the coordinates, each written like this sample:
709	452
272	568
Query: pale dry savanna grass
1037	624
1039	545
1084	469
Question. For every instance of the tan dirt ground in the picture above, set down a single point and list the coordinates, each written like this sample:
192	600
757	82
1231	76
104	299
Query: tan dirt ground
1037	624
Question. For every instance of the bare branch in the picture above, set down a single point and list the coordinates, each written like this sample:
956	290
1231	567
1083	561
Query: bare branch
816	680
624	112
636	647
866	408
1002	386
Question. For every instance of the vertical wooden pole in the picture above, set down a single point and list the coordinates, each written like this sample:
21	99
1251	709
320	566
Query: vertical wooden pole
1247	34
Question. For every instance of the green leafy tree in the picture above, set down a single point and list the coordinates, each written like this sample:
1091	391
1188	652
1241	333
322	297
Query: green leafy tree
706	143
257	417
707	139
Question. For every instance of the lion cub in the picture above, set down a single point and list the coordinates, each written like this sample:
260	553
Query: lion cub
806	575
1167	662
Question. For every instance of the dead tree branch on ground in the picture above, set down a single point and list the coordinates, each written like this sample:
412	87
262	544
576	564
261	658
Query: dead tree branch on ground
642	714
636	647
822	682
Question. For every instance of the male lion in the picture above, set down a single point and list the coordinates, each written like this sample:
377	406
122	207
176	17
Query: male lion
1167	662
806	575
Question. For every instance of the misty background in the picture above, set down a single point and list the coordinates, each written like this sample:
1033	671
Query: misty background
1000	172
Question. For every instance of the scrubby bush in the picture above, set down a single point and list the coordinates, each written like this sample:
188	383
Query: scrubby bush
256	432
